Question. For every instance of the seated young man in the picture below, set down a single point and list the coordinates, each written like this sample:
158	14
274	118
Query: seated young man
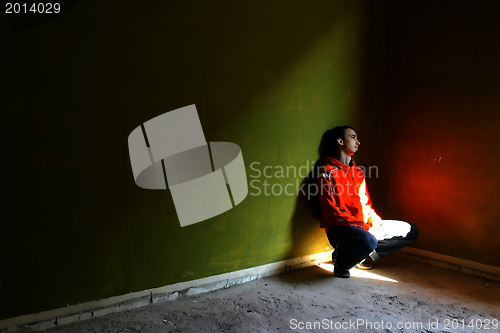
352	226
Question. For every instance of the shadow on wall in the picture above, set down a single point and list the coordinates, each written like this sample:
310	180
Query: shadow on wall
306	234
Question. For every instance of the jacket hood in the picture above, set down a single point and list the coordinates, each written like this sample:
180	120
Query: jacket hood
337	163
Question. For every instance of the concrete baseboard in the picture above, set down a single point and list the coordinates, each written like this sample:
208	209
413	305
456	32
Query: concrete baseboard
444	261
79	312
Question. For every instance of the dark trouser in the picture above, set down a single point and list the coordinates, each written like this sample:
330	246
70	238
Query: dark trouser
352	245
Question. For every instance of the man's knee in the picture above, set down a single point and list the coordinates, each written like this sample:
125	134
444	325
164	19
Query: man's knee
413	234
369	243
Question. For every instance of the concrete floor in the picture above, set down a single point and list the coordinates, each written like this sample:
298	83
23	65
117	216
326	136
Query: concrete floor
397	293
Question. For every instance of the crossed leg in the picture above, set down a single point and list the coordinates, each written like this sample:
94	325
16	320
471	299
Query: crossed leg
353	244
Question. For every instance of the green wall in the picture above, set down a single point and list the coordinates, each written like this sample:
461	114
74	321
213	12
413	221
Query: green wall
270	76
440	124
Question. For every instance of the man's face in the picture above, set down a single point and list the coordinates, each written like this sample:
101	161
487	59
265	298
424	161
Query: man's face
351	144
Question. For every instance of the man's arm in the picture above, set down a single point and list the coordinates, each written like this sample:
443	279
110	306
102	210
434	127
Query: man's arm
370	216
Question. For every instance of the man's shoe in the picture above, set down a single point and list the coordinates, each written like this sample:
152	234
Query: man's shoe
364	265
340	273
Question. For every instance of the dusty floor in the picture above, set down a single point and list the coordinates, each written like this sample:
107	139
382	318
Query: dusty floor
428	298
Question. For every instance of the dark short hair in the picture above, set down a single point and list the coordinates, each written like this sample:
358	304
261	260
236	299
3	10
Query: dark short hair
328	145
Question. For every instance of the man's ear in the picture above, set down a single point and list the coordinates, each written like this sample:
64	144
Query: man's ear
340	142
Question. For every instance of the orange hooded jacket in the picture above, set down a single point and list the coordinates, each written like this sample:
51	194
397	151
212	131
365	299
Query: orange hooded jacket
343	195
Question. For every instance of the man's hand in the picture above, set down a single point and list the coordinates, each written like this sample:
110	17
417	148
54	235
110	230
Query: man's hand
374	220
376	229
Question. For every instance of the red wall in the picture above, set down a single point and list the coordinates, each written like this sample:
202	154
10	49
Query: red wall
441	123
